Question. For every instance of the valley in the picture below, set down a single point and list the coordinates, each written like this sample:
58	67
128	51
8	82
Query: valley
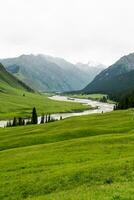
89	107
87	152
17	99
66	100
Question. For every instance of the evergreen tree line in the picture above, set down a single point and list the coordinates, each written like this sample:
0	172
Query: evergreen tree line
16	122
33	120
125	101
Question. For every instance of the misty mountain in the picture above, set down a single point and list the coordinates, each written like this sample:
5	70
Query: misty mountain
117	78
91	68
46	73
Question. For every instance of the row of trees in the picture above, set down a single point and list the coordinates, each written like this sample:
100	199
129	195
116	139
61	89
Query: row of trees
125	101
16	122
33	120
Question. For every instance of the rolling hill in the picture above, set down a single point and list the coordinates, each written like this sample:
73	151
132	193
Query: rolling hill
87	157
115	79
46	73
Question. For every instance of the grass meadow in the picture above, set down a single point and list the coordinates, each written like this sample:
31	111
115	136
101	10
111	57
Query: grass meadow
14	104
84	158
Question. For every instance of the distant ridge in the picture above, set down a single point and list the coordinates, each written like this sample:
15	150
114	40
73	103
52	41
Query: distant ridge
47	73
116	79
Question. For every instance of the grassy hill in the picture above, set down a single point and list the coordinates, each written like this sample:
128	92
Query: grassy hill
8	82
88	157
13	102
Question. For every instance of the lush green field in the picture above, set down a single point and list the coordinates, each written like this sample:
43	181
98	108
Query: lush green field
83	158
13	103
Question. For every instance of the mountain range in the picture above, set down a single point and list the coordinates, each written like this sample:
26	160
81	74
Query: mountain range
115	79
47	73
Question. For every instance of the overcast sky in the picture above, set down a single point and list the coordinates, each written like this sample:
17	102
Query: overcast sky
77	30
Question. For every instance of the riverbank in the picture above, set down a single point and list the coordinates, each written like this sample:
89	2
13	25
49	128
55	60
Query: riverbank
91	107
94	97
101	107
18	104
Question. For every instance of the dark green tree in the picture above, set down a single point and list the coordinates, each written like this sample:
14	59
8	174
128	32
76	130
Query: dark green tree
20	123
14	122
42	119
23	122
9	124
34	116
49	118
46	119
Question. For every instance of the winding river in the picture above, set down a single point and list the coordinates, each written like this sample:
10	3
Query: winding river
99	108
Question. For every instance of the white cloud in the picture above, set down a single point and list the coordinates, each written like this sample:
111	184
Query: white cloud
78	30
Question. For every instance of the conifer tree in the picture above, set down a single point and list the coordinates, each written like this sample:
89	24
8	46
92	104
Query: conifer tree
49	118
14	122
42	119
46	119
7	124
20	121
23	122
34	116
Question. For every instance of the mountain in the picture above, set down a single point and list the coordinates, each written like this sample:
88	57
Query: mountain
8	81
117	78
47	73
91	68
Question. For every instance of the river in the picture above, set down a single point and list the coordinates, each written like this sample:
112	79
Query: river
99	108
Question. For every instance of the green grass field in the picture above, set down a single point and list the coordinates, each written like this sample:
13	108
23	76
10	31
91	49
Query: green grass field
82	158
13	103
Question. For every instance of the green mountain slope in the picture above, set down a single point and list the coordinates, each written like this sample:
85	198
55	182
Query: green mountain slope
88	157
8	81
17	99
46	73
117	78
